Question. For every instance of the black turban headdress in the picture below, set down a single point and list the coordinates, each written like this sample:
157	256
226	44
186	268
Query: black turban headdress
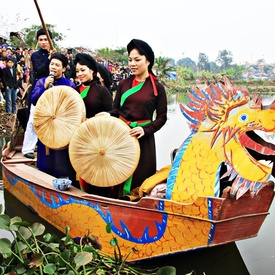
144	49
62	58
86	59
42	32
105	74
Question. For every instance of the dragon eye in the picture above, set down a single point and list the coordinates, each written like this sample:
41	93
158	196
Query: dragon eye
243	117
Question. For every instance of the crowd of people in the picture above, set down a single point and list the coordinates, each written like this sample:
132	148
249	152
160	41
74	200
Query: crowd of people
15	67
140	101
109	71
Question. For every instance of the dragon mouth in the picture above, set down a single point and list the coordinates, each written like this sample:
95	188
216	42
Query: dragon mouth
261	146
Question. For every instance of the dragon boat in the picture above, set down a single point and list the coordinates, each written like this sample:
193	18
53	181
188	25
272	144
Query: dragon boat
219	187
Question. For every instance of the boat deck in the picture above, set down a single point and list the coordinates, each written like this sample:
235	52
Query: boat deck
16	156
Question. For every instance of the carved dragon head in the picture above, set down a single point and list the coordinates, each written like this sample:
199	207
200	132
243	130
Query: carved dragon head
243	125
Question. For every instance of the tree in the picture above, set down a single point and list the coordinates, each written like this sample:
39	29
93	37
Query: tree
16	39
224	58
185	73
162	67
213	67
260	61
172	62
203	62
235	72
187	62
29	35
106	52
117	55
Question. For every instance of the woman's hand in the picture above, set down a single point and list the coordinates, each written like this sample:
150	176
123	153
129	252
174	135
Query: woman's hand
137	131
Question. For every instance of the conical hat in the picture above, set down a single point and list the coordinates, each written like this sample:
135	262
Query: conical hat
58	113
102	151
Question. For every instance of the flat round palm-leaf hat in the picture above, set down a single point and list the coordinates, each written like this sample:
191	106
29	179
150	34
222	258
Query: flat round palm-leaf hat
58	113
102	151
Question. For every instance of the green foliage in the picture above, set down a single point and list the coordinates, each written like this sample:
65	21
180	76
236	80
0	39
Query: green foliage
184	76
207	74
29	35
235	72
118	55
185	73
187	78
33	251
16	42
162	68
224	58
178	86
187	62
261	90
203	62
168	270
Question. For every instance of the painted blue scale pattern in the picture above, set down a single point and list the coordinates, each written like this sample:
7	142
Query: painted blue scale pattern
125	233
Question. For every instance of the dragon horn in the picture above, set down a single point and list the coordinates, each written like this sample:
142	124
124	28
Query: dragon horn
198	81
257	100
215	79
207	82
227	81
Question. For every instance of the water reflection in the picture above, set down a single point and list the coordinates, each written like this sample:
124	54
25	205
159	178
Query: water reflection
173	133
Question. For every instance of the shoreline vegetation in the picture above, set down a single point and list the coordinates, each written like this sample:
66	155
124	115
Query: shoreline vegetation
260	86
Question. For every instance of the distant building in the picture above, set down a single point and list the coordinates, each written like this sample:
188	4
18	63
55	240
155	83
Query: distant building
172	76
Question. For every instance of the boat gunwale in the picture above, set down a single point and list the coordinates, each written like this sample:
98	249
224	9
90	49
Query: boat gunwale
139	205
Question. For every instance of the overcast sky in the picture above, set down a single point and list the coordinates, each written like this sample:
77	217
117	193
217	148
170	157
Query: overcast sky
173	28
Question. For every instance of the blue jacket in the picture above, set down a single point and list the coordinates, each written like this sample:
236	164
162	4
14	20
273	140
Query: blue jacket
40	65
39	88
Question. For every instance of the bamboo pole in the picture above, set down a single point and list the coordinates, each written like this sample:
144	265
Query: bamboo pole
44	26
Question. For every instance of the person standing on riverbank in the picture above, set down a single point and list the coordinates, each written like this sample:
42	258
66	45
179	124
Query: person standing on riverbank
9	78
138	97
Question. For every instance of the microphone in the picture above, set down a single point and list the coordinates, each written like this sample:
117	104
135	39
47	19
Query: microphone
51	85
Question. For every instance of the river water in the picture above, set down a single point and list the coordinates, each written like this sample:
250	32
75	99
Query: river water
255	256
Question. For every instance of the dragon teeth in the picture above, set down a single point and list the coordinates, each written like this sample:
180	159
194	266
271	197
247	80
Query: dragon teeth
267	136
266	162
